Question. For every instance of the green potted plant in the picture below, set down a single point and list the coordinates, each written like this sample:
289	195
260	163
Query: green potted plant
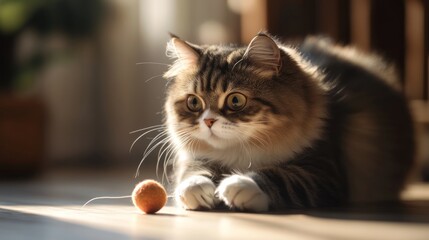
22	111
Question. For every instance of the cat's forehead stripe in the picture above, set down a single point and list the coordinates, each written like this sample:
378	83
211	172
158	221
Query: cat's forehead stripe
211	75
215	79
205	71
203	63
195	85
208	75
224	85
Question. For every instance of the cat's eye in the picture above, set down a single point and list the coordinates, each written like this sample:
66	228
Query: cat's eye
236	101
194	103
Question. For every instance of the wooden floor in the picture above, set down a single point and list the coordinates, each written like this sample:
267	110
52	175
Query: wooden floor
50	208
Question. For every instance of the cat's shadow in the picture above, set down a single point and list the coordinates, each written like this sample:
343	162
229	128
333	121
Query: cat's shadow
415	211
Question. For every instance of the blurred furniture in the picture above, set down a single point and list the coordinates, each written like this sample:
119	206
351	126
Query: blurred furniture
22	136
396	29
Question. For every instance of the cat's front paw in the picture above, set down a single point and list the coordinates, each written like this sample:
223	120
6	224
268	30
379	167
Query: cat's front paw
196	192
243	193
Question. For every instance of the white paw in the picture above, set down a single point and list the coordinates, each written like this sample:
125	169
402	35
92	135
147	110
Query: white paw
196	192
243	193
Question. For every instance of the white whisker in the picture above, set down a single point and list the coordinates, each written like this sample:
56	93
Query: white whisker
145	133
144	129
147	80
165	147
153	63
148	151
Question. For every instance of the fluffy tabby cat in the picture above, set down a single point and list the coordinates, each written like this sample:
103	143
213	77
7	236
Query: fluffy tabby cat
271	126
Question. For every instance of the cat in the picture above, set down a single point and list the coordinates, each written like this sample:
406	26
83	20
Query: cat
272	126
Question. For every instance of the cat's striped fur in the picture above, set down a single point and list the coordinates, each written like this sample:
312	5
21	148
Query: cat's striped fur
320	126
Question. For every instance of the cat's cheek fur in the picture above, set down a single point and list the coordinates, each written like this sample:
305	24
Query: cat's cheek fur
243	193
196	192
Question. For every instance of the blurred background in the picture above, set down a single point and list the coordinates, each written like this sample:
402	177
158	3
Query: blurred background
76	76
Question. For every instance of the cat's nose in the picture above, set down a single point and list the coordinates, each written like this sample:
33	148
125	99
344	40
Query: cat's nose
209	122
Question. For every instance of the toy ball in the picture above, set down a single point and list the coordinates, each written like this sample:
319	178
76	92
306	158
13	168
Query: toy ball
149	196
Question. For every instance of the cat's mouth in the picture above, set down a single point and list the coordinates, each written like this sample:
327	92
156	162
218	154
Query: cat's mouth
215	140
213	135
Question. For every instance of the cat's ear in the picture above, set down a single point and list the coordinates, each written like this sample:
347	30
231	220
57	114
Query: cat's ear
264	52
182	51
185	54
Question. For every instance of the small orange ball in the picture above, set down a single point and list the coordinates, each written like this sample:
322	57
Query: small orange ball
149	196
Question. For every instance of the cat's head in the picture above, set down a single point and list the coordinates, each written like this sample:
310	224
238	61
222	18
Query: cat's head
222	97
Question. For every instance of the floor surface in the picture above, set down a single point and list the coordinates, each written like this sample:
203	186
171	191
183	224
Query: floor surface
50	208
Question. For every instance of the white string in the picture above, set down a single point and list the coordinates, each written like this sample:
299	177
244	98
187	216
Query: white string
112	197
105	197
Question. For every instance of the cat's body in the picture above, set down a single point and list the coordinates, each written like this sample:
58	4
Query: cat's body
272	126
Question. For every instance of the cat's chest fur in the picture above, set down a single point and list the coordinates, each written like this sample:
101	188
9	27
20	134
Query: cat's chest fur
238	158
